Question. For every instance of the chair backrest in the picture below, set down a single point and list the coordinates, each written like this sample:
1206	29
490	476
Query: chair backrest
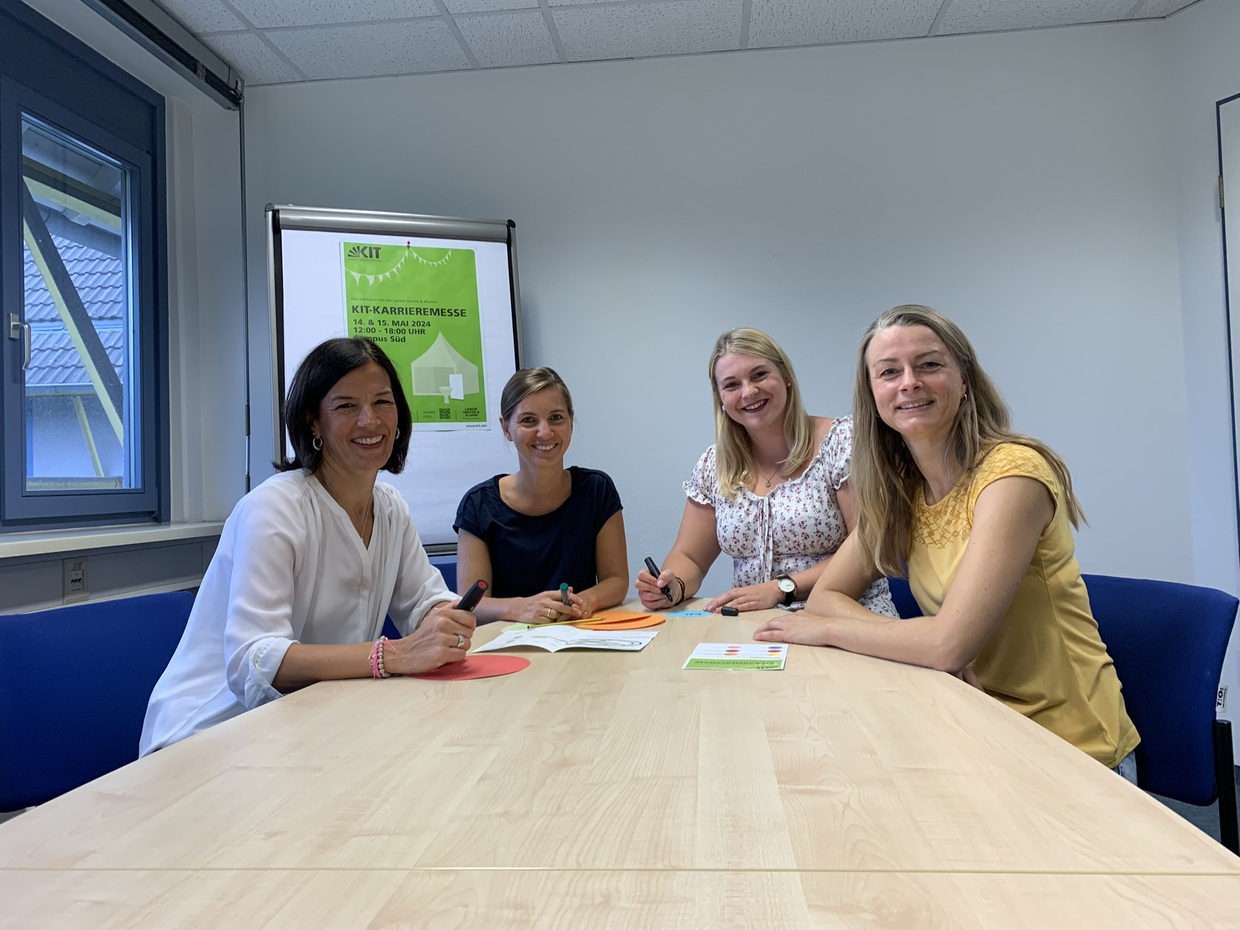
446	564
1168	641
903	598
447	567
74	683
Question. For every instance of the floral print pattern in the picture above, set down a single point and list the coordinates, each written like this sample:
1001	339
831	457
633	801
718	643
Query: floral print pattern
793	527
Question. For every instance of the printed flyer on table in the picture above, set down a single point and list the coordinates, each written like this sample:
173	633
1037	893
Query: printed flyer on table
755	656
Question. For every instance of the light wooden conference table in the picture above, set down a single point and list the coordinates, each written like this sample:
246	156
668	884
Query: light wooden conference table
609	789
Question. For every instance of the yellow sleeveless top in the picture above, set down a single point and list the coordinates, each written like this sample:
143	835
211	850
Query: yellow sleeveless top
1045	659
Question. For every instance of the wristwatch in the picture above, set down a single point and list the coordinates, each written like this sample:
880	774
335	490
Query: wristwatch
789	587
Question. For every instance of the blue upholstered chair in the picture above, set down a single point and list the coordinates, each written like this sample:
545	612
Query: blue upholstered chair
447	567
74	683
906	604
1168	641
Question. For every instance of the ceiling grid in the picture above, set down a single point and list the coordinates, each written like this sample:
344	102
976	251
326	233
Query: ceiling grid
286	41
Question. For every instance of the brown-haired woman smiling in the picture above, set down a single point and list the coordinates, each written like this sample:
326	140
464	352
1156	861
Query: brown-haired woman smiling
544	525
312	560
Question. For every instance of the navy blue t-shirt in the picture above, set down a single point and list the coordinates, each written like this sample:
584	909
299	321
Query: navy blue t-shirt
534	554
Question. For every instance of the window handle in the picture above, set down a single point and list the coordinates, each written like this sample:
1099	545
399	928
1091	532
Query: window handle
19	329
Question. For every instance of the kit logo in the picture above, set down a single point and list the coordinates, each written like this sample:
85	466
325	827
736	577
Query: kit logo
363	251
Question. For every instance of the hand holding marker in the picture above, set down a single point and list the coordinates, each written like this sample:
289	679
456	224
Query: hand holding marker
654	570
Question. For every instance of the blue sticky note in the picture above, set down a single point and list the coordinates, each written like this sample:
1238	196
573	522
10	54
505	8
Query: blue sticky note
690	613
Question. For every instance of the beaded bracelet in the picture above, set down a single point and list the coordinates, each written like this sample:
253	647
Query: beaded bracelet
376	660
383	673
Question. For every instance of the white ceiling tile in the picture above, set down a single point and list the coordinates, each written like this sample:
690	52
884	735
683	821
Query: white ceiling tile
673	27
992	15
267	13
487	6
202	15
779	23
351	38
1158	8
251	56
508	39
410	47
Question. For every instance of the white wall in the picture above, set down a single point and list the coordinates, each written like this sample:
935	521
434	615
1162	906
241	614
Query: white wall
1022	183
1202	42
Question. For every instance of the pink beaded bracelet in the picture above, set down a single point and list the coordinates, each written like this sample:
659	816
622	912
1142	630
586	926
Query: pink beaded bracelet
383	673
376	660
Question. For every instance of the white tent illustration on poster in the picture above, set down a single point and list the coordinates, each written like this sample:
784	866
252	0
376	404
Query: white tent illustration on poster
443	370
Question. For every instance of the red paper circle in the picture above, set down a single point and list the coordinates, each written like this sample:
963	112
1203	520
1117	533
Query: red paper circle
483	666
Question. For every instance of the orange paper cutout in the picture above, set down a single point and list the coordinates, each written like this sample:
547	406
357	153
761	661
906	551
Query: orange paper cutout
638	622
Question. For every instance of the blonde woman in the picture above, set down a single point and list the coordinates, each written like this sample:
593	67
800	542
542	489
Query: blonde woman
983	518
772	492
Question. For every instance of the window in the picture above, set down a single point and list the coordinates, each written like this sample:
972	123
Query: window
81	284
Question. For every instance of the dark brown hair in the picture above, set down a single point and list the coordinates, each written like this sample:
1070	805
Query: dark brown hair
317	374
529	381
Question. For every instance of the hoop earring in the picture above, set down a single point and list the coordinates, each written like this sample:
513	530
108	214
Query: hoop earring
398	432
317	443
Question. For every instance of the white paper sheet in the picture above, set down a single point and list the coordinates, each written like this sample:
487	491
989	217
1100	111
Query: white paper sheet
555	638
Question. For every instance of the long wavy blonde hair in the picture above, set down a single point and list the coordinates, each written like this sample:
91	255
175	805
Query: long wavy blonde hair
734	463
884	476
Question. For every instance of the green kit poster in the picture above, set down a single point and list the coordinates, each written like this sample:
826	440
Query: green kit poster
421	306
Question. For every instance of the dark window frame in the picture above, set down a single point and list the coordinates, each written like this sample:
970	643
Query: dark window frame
52	76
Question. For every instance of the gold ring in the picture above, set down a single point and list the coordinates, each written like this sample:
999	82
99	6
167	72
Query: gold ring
550	615
460	641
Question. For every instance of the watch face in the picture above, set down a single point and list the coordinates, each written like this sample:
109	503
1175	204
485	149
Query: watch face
787	585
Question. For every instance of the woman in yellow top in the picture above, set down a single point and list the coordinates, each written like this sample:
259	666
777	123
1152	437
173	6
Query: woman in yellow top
982	517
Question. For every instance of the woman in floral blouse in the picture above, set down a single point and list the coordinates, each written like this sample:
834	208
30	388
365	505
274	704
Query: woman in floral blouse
771	492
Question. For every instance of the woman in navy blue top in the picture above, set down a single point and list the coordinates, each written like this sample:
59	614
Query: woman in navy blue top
545	525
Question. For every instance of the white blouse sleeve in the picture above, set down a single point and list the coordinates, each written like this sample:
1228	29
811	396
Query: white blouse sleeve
258	626
419	586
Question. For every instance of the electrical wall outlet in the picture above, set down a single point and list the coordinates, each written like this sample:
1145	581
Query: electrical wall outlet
1220	702
76	580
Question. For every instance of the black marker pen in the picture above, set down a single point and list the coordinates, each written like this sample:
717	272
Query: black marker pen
654	570
472	596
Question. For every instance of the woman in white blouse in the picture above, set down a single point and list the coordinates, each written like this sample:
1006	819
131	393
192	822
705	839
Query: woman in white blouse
312	560
771	492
